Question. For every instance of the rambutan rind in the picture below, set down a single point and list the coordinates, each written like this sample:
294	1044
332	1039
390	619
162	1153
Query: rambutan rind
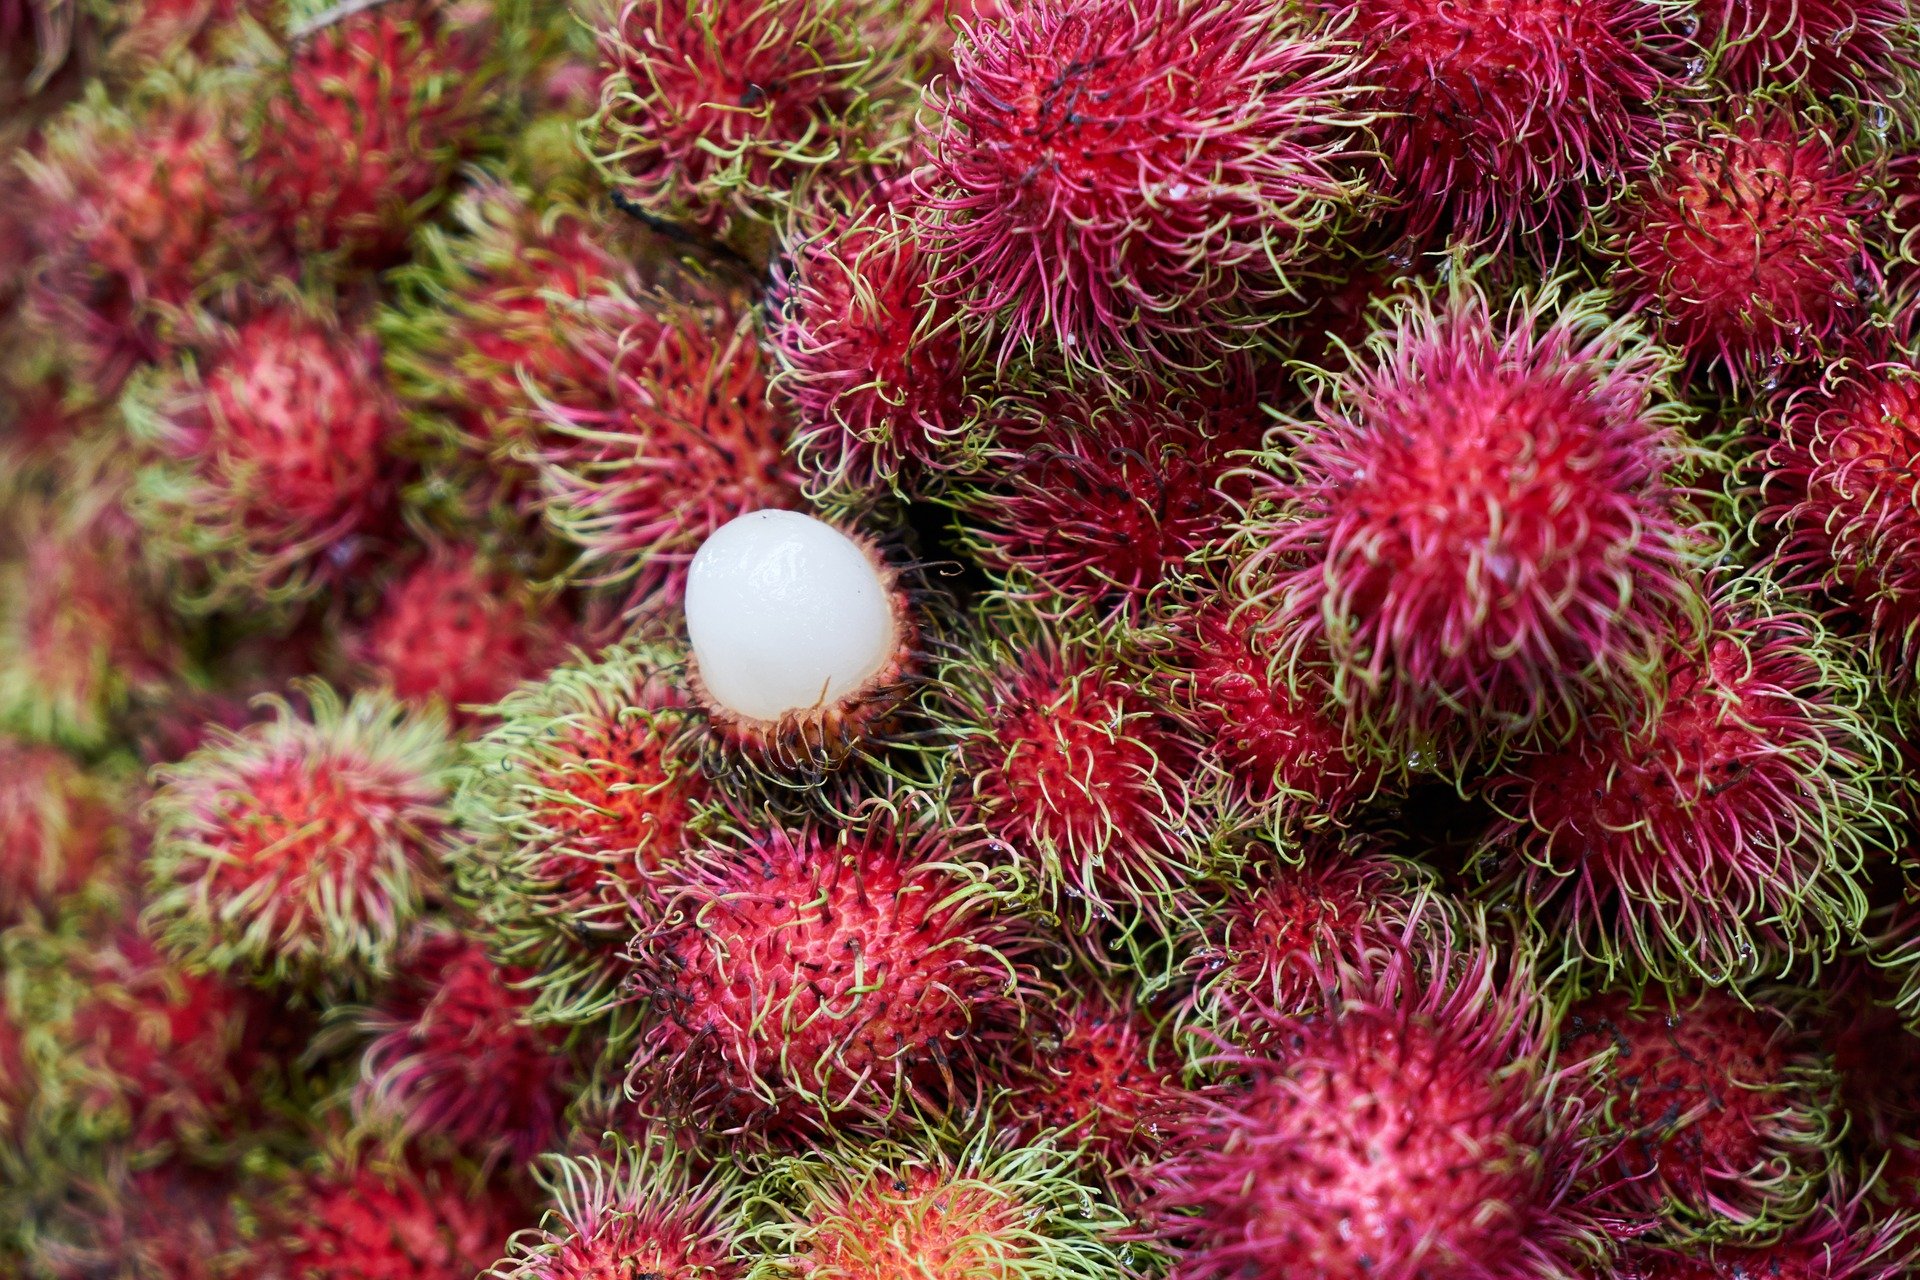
1820	47
1844	1240
58	822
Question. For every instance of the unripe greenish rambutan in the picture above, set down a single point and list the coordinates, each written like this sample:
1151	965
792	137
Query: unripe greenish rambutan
580	805
810	981
637	1211
1725	834
299	848
1745	241
1479	531
933	1208
57	823
1111	178
1722	1105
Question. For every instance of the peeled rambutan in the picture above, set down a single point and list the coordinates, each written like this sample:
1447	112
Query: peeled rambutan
1843	1241
460	630
1821	46
358	138
1495	117
1731	826
635	1211
57	822
1412	1128
581	804
1111	174
270	457
869	357
811	980
1746	241
686	441
1720	1108
1841	483
1480	527
362	1220
1079	781
918	1207
711	111
450	1053
300	847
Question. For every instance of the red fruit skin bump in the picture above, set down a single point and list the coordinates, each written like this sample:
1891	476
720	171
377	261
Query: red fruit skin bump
56	824
1411	1129
1480	527
1502	116
1110	177
1729	831
1841	483
1747	240
362	1221
1724	1112
804	983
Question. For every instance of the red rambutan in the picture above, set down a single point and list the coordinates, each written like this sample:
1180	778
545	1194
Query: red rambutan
172	1222
1842	484
1109	174
1480	525
1842	1242
451	1055
301	846
1746	241
365	1221
1720	1108
1821	46
805	981
57	822
1732	826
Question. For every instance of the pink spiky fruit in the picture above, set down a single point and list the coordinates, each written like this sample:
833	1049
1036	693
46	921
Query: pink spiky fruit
806	981
1728	830
358	1220
1479	531
1747	240
1824	47
1412	1130
1111	177
1842	1242
1723	1111
173	1221
300	847
57	822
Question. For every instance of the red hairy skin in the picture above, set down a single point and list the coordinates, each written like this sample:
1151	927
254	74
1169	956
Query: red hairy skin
1747	240
1498	116
1723	1113
363	1222
56	825
172	1222
1824	47
1734	824
1841	483
1411	1130
1112	174
1841	1242
802	984
450	1054
1480	527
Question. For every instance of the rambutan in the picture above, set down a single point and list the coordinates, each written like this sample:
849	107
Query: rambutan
1112	174
1841	483
1412	1128
176	1221
916	1207
810	980
869	357
1746	240
57	822
712	111
687	440
1495	117
1480	526
1720	1108
270	457
581	804
300	847
636	1211
451	1055
359	135
1732	826
1821	46
1073	774
1842	1242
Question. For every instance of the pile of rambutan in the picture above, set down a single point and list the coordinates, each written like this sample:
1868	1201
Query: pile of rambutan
959	639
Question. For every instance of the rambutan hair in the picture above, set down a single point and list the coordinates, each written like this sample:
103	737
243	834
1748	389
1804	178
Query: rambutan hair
1726	834
636	1209
582	805
1109	177
58	822
1838	485
1412	1127
300	847
1821	47
1843	1240
1720	1107
1480	530
934	1205
813	980
177	1220
1746	239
